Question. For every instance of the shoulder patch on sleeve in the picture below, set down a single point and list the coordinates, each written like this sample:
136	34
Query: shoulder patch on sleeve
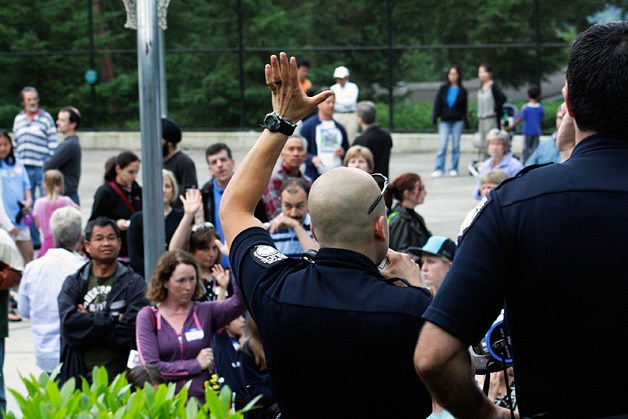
266	256
471	217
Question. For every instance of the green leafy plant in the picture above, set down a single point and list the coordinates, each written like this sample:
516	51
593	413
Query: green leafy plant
101	399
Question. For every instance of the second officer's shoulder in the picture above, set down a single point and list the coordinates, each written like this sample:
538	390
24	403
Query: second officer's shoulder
531	181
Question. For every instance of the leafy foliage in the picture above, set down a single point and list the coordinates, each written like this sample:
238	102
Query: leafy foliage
418	116
46	44
101	399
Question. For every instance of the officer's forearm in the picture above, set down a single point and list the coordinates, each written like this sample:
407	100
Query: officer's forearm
442	361
249	183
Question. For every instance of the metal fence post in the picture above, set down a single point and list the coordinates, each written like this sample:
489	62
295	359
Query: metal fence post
391	100
537	47
163	84
241	64
92	61
150	125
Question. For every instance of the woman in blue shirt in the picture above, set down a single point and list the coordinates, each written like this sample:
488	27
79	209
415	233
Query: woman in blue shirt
16	193
450	106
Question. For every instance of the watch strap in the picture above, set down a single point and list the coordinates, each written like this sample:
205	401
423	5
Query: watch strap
285	127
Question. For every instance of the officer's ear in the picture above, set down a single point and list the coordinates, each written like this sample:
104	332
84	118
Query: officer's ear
567	101
313	232
379	229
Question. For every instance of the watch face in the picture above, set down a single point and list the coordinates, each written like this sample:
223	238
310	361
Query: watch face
272	122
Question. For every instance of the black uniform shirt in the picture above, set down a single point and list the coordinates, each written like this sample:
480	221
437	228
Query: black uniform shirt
553	242
339	341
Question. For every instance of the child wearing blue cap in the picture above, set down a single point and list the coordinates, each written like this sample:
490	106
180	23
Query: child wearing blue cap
436	255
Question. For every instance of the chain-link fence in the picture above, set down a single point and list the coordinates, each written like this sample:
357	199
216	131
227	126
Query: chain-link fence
397	53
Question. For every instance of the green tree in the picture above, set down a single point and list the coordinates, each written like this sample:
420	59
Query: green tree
45	44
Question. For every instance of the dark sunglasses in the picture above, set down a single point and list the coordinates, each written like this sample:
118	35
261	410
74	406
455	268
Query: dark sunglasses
382	182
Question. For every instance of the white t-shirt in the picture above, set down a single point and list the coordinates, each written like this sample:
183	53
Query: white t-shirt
328	139
346	97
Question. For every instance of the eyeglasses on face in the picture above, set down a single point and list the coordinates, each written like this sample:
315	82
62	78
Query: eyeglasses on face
382	182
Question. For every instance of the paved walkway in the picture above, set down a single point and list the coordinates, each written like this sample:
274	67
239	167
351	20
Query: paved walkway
447	203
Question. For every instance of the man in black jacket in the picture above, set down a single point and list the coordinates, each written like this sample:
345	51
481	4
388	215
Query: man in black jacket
373	137
98	306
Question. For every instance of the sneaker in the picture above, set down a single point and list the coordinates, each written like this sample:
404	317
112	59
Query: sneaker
437	173
453	173
13	316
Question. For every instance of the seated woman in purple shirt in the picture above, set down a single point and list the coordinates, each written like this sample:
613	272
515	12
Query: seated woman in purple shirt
500	157
176	336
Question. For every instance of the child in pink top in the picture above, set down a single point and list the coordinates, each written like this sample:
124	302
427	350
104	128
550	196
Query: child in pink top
45	206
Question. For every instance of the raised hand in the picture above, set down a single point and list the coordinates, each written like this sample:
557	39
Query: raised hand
224	249
288	100
192	201
221	275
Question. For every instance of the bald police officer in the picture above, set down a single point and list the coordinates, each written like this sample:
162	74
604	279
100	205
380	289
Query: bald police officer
550	244
338	337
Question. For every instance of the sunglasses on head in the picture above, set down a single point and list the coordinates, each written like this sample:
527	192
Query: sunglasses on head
382	182
199	227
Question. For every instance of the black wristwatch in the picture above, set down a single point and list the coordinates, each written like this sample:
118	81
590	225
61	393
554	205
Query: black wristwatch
275	123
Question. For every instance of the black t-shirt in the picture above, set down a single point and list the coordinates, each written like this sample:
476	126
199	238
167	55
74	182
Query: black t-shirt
95	299
184	171
337	338
135	236
551	243
379	142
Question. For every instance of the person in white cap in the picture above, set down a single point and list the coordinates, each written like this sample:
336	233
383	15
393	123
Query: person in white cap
346	94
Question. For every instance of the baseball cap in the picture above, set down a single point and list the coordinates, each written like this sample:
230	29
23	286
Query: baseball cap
441	247
170	131
341	72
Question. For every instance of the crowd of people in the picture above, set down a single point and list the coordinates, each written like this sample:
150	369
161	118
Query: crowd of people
310	282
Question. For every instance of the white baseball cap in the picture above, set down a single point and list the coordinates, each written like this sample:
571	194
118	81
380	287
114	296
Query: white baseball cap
341	72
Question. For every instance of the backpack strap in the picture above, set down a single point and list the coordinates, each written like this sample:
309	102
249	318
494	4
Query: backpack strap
123	196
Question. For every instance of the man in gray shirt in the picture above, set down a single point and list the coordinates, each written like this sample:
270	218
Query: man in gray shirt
67	157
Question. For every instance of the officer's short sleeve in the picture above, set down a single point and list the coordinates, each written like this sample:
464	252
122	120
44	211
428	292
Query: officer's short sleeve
254	258
473	291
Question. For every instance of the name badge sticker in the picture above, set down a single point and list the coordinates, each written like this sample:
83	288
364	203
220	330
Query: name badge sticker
194	334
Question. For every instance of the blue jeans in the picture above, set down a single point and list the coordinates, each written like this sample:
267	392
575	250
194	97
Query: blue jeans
75	198
445	129
3	399
36	177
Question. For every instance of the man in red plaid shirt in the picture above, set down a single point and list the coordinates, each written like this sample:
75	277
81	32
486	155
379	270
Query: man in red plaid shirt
292	157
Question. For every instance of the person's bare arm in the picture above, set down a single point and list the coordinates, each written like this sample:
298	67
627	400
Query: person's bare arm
442	361
251	179
305	240
192	202
514	124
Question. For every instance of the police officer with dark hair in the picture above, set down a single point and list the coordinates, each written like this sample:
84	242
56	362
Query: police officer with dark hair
176	160
337	335
549	244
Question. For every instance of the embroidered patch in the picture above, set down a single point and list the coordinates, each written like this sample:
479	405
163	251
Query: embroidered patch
267	255
471	217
